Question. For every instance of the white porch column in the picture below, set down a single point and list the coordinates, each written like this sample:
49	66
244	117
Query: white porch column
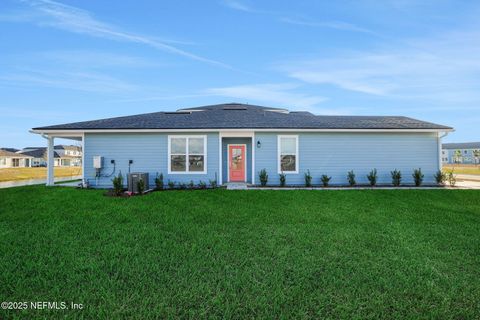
50	161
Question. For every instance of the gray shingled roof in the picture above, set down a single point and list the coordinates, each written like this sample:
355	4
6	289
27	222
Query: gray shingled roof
244	116
462	145
8	154
40	153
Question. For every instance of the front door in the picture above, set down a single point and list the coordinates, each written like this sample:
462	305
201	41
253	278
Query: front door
237	163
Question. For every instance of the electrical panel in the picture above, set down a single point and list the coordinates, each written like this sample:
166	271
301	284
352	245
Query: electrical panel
97	162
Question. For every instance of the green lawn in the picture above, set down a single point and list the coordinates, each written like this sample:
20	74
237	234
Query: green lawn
242	254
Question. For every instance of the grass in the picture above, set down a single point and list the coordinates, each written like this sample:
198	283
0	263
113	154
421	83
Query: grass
242	254
462	169
12	174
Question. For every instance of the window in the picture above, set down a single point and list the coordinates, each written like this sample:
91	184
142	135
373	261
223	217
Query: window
15	162
187	154
288	154
3	161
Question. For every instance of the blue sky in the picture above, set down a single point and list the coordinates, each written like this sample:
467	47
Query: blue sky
81	60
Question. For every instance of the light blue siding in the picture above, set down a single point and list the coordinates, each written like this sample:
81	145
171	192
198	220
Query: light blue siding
225	143
335	154
467	156
149	152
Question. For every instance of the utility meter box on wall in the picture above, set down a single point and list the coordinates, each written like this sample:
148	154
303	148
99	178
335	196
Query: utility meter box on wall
97	162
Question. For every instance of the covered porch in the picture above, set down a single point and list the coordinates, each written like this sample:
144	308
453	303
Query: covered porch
237	158
50	137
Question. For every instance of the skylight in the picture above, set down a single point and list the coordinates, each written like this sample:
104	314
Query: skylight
178	112
235	108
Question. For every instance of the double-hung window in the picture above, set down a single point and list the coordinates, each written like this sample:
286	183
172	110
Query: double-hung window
187	154
288	154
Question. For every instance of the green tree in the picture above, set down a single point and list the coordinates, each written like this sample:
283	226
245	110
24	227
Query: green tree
457	156
476	156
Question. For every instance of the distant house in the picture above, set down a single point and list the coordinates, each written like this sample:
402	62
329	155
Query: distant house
39	157
68	156
14	160
64	156
466	153
233	142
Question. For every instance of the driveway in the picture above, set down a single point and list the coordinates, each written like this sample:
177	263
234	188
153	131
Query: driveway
27	182
469	181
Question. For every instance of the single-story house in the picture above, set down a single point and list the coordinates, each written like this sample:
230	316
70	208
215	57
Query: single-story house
64	156
464	152
233	142
13	160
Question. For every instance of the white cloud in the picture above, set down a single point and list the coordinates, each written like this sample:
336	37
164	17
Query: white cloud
69	18
92	59
75	80
442	68
339	25
237	5
279	94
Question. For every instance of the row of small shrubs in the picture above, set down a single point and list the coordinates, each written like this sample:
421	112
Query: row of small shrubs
159	184
118	187
372	177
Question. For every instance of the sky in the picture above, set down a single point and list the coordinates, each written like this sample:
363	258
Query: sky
72	61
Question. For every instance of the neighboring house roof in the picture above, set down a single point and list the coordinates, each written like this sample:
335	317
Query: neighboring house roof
245	116
66	147
37	153
461	145
8	154
10	149
42	153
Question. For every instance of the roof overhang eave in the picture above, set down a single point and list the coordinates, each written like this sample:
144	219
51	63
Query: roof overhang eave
81	132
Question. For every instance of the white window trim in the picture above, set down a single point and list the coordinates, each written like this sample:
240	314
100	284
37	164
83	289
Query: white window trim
170	137
297	160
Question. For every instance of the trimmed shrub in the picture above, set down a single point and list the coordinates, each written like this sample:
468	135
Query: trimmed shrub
308	179
351	178
452	180
213	183
118	184
191	185
263	177
440	177
372	177
396	177
171	184
325	180
283	179
182	186
417	177
202	185
159	181
140	186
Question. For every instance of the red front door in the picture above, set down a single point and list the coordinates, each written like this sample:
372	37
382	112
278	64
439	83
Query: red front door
236	163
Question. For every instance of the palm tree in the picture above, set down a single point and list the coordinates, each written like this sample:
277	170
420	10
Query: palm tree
457	156
476	156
